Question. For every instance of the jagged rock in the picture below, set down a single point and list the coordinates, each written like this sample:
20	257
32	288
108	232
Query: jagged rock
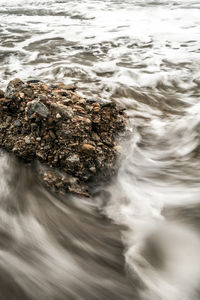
64	132
38	108
13	87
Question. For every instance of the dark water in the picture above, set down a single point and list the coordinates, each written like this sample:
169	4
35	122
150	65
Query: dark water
138	237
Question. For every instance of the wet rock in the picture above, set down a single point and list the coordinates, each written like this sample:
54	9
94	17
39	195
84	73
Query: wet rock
38	108
13	87
74	140
63	111
67	87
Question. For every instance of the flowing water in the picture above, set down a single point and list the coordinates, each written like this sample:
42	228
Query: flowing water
138	237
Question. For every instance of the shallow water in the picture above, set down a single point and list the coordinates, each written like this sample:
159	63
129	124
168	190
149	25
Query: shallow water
138	237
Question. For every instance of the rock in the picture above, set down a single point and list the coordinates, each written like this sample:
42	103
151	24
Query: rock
42	97
17	123
63	110
88	148
73	158
52	134
1	94
27	140
13	87
93	169
28	92
8	119
38	108
67	87
95	136
21	95
41	155
58	116
73	139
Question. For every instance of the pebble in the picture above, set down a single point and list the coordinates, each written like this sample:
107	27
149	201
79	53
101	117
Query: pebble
52	134
17	123
88	148
58	116
27	140
73	158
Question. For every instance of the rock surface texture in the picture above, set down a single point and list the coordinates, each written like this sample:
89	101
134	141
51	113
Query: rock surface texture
74	139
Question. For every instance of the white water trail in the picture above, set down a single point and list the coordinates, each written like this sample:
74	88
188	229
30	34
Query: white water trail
160	170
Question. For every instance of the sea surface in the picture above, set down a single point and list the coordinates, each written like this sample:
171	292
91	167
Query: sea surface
138	237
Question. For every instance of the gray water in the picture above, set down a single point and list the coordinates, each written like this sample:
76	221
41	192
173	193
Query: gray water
138	237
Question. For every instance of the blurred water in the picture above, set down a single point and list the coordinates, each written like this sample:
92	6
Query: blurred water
138	238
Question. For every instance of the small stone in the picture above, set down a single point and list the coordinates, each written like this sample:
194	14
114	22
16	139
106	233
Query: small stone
81	119
95	137
73	159
58	116
38	139
15	149
21	95
96	107
27	140
40	155
52	134
63	110
8	119
50	120
42	97
88	148
118	148
37	107
80	109
45	87
13	87
67	87
17	123
47	147
93	169
34	126
97	119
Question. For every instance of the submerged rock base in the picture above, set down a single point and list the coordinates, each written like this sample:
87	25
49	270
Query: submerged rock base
74	139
